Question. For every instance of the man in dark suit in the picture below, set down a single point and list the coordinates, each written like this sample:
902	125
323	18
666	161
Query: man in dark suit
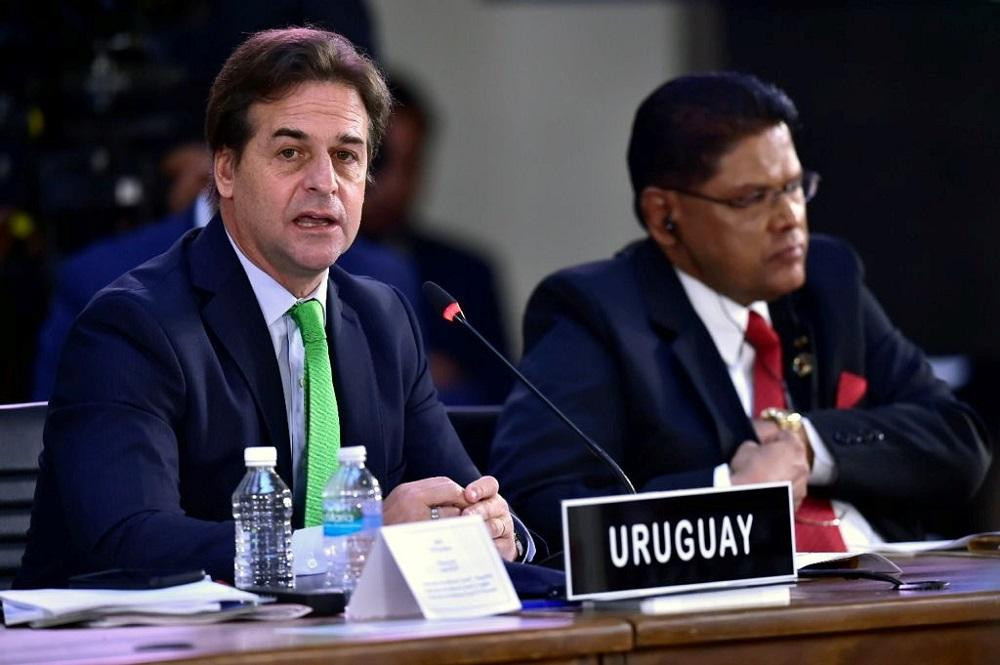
667	354
177	366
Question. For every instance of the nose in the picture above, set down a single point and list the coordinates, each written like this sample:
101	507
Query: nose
321	177
787	211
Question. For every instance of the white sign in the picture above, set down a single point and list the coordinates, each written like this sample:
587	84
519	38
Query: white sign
441	569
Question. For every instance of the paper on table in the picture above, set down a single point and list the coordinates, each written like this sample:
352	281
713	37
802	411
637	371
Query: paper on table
940	545
861	560
44	604
275	612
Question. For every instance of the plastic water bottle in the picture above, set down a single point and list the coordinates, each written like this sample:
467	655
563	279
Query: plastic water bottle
352	515
262	508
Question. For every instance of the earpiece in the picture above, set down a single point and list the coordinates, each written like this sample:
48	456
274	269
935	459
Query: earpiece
670	227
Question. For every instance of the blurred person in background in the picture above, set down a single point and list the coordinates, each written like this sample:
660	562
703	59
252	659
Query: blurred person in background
461	371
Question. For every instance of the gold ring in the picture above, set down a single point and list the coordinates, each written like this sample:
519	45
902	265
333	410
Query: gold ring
785	420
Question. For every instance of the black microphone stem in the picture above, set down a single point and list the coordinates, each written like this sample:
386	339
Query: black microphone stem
597	451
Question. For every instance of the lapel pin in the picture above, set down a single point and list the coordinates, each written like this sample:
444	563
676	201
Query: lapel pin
802	364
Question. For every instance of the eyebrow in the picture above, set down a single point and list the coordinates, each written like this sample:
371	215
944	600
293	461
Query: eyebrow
758	185
300	135
297	134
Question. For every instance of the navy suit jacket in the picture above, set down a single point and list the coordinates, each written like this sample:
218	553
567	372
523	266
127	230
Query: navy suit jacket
169	373
618	346
86	272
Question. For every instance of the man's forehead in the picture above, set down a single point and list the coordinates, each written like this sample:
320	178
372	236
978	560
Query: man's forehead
313	110
767	155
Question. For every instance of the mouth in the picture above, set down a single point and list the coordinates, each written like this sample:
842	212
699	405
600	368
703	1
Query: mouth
789	253
315	220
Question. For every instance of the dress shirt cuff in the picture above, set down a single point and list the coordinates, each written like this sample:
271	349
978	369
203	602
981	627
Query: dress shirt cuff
527	541
824	469
720	476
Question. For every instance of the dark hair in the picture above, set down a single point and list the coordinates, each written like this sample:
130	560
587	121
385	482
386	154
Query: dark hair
682	129
269	64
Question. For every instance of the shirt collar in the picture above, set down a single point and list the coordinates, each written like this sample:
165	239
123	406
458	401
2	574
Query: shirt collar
725	319
274	299
202	210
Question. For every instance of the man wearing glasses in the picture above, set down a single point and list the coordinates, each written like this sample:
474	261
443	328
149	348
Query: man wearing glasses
729	347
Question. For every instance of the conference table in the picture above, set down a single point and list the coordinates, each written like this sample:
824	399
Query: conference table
827	621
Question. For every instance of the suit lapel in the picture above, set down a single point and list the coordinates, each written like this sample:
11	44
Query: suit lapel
672	313
354	379
233	316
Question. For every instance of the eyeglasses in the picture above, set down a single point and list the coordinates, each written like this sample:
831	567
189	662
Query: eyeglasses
801	190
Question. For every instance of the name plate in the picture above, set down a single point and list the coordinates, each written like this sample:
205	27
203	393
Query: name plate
664	542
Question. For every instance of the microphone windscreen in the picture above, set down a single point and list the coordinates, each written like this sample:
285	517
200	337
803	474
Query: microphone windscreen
442	301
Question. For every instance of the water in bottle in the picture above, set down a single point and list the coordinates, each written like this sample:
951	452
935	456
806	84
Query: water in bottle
262	508
352	515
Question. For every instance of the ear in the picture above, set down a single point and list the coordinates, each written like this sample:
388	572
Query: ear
657	206
224	170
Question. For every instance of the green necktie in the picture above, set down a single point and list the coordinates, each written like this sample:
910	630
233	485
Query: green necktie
322	415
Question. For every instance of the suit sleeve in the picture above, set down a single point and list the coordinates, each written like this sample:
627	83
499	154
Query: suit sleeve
110	439
534	454
910	441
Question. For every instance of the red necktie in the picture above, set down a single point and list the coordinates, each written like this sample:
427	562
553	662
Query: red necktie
816	527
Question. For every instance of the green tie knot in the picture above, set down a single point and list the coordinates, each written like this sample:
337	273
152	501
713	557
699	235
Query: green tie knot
308	316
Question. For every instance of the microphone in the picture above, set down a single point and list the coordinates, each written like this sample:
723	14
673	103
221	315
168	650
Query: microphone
451	312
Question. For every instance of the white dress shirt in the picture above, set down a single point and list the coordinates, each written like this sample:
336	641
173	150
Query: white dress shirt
275	301
726	322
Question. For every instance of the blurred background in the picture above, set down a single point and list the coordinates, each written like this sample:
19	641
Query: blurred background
525	111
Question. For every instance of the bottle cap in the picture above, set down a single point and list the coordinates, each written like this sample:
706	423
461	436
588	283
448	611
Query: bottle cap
352	454
260	456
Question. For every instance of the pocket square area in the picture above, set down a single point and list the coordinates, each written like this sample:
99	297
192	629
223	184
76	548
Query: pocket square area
851	388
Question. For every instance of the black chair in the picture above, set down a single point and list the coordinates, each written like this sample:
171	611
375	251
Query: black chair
20	444
475	426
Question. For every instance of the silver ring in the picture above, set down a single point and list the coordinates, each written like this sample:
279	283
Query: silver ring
435	513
